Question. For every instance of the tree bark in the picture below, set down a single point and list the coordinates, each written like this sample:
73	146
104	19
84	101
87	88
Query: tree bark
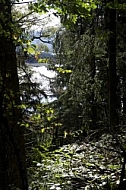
12	153
113	117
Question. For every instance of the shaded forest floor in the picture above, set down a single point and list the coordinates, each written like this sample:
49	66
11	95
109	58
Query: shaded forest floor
86	165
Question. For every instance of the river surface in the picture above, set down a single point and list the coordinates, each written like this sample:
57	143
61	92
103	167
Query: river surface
43	76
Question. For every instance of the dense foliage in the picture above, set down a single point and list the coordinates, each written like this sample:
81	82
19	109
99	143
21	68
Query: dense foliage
90	84
77	141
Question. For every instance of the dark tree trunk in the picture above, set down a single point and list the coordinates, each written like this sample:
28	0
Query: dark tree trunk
12	152
113	117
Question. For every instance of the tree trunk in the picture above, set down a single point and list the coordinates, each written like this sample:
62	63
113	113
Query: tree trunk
12	153
113	117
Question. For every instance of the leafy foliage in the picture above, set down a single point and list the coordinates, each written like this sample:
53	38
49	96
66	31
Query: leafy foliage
72	144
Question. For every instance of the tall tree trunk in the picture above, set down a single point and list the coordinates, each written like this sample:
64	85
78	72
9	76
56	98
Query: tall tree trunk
12	153
113	117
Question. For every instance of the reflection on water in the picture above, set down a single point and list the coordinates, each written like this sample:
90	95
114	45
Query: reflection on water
42	75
